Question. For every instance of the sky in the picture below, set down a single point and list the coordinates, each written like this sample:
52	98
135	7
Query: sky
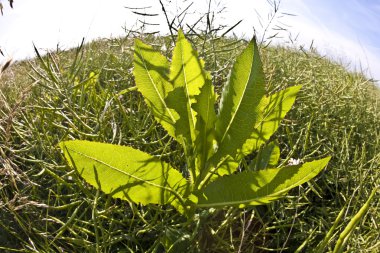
346	31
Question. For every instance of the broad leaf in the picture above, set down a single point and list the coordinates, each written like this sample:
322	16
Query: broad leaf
257	187
151	70
125	173
273	110
239	105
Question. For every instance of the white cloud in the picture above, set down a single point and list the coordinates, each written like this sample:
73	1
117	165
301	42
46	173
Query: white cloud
65	22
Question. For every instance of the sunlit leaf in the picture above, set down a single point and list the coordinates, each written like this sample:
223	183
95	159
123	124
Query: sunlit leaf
273	110
239	105
151	70
258	187
125	172
188	79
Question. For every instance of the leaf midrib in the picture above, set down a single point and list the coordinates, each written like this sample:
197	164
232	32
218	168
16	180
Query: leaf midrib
125	173
239	104
257	198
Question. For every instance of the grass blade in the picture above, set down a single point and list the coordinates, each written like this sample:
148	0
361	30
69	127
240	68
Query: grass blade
345	235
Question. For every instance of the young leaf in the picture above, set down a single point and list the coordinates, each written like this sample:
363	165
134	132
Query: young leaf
273	110
257	187
126	173
239	104
151	71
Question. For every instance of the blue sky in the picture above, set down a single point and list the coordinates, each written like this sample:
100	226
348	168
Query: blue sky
347	31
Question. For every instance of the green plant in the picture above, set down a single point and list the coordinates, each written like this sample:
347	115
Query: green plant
182	100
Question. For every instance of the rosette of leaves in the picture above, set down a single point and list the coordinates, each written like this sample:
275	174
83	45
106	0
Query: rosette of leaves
182	99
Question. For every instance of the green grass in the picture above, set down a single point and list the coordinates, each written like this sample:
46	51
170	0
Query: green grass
84	94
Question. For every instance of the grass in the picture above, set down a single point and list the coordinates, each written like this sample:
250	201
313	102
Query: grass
87	93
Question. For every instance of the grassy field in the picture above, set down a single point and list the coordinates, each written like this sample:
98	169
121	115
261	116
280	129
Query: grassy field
88	93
